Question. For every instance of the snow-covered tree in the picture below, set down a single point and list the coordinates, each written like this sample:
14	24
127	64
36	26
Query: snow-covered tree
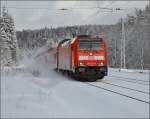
8	39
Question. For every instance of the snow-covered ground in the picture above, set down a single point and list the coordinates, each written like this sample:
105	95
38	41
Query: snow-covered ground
33	89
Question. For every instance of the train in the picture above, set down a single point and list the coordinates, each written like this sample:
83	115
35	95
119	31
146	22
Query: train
83	57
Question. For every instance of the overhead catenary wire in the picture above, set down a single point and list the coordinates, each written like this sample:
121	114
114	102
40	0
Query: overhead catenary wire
65	8
50	9
103	8
110	10
99	11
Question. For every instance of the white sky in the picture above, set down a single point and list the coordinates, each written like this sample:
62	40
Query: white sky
28	18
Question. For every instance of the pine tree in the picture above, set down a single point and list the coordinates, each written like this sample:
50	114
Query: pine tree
8	39
5	50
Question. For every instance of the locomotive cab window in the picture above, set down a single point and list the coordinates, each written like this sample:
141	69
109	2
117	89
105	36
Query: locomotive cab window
90	44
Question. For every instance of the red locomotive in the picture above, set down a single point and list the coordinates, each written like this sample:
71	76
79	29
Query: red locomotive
84	56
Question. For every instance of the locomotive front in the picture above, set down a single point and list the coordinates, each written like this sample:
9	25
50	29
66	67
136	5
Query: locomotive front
91	58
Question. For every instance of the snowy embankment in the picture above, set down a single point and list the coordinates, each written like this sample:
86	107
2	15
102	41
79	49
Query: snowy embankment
34	90
129	70
128	73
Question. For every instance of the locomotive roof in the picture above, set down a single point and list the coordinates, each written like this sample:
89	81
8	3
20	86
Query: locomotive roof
62	41
78	36
88	36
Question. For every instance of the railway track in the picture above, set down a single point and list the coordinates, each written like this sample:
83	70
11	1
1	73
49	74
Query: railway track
133	79
129	80
142	96
115	92
125	87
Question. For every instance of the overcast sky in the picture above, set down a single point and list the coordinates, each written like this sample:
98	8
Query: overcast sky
39	14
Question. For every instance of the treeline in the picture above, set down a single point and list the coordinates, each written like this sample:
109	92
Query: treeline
136	32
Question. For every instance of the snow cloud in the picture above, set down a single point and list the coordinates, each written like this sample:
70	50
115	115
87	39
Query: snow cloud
39	14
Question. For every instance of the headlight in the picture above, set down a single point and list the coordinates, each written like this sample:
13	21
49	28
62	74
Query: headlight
81	64
101	64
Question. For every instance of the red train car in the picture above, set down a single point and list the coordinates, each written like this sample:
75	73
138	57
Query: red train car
84	57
